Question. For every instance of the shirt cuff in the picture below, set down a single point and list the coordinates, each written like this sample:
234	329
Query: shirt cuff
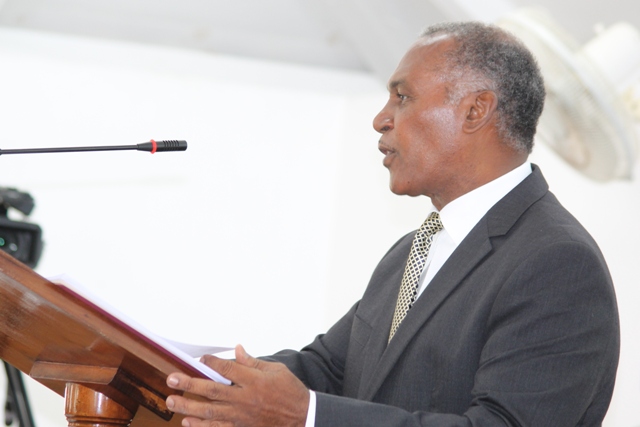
311	412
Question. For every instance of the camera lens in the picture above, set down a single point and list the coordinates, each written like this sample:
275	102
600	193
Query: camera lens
12	242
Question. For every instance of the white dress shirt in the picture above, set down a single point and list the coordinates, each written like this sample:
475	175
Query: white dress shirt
458	218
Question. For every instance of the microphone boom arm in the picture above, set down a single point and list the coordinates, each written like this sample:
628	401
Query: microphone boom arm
151	146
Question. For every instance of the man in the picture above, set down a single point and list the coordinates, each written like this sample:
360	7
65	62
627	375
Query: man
504	317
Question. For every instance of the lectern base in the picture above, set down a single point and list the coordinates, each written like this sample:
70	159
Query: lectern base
85	407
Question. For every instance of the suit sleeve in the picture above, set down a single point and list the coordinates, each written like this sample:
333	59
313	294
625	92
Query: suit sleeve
320	365
552	340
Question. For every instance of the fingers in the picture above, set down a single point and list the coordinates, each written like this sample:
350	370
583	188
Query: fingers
243	358
241	371
208	413
198	414
244	370
235	370
208	389
190	407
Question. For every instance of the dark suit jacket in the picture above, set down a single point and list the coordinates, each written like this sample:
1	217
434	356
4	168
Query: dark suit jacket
518	328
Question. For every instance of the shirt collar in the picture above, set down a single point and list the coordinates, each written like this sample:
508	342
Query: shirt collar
462	214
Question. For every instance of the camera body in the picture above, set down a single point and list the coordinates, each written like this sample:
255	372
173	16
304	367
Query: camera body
22	240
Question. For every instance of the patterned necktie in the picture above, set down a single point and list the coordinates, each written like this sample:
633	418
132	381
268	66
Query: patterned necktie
413	270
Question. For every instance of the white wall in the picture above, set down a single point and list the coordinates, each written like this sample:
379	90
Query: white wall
282	166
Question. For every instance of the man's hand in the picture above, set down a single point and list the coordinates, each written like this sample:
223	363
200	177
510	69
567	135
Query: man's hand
262	394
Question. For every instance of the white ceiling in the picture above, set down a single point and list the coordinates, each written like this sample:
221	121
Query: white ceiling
364	35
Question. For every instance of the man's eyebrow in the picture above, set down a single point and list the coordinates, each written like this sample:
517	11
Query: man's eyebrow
394	84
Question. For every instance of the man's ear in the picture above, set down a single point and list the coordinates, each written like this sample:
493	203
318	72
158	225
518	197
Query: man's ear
480	108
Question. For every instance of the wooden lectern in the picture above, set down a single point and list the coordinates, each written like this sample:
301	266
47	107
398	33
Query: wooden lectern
109	374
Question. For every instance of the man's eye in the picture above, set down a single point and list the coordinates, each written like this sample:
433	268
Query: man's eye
401	97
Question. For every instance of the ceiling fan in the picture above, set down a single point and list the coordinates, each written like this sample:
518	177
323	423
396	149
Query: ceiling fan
592	113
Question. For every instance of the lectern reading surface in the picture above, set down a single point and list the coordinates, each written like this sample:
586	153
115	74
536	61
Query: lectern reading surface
109	373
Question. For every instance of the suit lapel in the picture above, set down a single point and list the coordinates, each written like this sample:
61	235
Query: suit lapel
385	306
475	247
461	262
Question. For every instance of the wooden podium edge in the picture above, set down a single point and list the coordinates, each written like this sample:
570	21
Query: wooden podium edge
89	347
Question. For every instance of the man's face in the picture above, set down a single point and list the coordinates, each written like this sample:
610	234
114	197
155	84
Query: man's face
420	127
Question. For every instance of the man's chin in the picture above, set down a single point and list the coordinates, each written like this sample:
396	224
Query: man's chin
400	190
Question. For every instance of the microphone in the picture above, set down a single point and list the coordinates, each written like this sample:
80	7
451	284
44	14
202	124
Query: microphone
151	146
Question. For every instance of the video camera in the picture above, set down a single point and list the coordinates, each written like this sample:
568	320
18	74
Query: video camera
22	240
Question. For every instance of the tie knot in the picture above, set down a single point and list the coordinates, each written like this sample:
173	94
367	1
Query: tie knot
431	225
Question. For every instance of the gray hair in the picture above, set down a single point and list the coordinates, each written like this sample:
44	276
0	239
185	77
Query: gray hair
486	57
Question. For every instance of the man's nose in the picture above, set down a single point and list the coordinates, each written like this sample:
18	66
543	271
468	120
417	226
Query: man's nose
383	121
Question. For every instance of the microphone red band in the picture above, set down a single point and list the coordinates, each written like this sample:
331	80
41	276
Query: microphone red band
154	146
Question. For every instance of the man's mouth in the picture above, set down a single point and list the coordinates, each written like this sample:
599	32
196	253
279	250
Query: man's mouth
387	151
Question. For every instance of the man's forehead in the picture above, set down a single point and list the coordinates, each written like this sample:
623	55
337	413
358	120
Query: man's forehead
425	56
